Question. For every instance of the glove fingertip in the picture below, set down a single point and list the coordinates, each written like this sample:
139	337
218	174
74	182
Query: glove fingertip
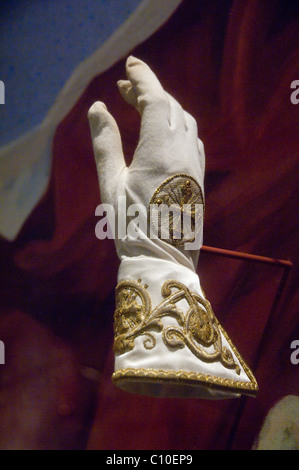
126	90
96	109
131	61
124	86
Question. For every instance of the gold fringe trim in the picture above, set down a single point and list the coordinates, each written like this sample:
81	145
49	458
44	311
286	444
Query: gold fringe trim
187	378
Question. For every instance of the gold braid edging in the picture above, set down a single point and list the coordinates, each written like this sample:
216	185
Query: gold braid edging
186	378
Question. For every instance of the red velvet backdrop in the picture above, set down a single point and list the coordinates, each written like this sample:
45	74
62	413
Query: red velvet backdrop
230	64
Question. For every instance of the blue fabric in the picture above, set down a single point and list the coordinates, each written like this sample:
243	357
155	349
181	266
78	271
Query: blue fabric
42	42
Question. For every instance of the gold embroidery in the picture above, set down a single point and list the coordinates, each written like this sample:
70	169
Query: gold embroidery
197	329
123	376
177	191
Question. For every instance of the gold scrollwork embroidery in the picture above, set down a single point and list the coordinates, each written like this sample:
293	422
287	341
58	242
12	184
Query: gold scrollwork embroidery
197	329
184	195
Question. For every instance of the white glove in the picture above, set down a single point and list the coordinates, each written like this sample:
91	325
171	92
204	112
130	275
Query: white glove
168	341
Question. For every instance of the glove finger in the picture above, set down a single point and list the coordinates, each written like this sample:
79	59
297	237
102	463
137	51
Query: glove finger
151	100
147	87
107	148
127	91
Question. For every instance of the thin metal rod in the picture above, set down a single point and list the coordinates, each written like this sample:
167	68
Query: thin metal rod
246	256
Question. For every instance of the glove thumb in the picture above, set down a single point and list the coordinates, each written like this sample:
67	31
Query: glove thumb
107	146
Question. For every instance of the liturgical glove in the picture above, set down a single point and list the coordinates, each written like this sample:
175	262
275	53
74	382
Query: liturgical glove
167	340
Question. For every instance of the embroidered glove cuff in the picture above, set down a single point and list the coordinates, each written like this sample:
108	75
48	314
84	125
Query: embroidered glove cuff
168	341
